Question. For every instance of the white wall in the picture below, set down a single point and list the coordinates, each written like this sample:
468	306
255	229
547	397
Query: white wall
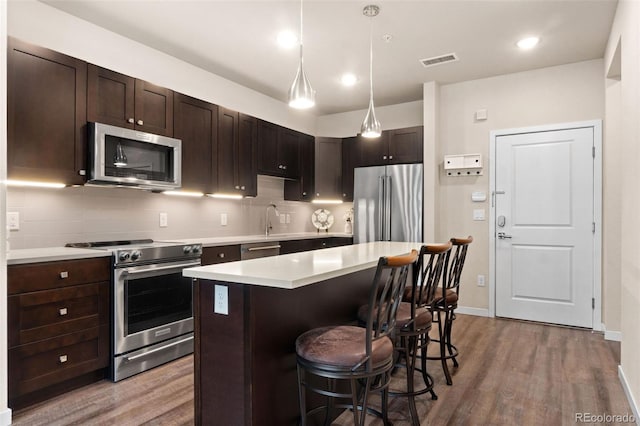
623	108
566	93
46	26
391	117
5	413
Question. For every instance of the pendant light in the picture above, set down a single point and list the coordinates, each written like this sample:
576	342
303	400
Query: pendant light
370	126
301	94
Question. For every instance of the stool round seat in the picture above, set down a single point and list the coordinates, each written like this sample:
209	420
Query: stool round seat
423	316
451	297
342	348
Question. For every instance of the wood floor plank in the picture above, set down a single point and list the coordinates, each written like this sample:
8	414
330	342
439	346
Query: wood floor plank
511	372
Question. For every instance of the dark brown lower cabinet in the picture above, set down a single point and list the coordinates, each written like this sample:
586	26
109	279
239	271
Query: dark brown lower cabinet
220	254
295	246
58	327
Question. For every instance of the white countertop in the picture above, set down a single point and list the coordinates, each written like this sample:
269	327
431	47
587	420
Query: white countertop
245	239
51	254
295	270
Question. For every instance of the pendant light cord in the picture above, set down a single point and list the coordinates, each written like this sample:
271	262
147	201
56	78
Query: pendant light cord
301	59
371	59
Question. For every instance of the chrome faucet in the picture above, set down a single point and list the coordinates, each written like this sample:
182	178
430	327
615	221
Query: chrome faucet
267	224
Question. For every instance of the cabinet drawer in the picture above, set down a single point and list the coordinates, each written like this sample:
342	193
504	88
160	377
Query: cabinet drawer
220	254
45	276
49	313
37	365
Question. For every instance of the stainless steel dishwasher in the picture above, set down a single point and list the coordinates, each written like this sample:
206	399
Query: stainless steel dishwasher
256	250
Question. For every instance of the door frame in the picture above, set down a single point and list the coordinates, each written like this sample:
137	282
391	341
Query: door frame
596	125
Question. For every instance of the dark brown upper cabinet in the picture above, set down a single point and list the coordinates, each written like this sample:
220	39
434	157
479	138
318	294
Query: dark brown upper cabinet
349	153
195	122
278	150
47	115
302	189
123	101
399	146
236	167
328	168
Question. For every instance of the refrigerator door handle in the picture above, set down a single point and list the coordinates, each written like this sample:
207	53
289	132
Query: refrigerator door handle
387	208
381	207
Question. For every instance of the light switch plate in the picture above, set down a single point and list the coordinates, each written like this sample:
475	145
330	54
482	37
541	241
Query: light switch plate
164	220
223	219
221	300
13	221
283	218
478	214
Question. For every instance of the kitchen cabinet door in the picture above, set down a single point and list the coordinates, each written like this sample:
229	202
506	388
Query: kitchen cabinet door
268	149
406	145
328	174
288	152
196	124
373	151
237	163
349	152
302	189
247	162
120	100
47	115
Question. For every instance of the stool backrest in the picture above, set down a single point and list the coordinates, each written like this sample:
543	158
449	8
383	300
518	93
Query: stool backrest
385	296
431	264
455	263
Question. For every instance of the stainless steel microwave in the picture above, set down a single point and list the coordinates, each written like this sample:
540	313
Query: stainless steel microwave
126	157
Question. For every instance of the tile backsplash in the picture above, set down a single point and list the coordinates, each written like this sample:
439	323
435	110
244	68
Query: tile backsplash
51	218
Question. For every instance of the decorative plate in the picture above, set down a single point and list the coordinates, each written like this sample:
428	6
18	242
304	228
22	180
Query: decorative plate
322	219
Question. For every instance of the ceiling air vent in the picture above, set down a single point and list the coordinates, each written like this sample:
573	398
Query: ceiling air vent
437	60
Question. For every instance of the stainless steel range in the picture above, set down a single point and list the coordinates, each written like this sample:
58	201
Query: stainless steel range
152	313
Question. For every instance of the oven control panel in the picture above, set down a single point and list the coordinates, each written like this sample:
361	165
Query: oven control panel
153	254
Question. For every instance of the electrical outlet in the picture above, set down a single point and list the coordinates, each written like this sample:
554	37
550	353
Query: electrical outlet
223	219
13	221
480	280
288	218
221	300
283	218
164	220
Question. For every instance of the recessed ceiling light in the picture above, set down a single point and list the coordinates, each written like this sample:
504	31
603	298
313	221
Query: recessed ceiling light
287	39
528	43
348	79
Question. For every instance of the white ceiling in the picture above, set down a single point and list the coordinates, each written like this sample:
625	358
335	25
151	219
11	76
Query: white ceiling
237	40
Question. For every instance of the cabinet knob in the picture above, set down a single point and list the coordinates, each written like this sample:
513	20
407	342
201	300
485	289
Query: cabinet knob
317	194
62	311
304	193
140	122
63	359
82	172
280	166
64	274
221	255
131	120
284	167
242	187
391	157
384	157
237	187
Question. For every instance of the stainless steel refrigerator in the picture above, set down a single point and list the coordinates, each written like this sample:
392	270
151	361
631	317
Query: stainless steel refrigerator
387	203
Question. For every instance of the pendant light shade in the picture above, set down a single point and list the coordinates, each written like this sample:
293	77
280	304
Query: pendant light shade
371	126
301	94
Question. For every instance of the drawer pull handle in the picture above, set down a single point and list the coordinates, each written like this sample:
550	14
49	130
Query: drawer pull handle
63	359
221	255
64	274
62	311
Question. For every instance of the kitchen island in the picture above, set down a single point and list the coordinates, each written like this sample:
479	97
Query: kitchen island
248	315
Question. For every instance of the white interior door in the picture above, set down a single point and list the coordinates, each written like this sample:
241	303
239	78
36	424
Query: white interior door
544	226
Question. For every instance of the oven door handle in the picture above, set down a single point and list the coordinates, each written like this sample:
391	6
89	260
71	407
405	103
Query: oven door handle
161	348
152	269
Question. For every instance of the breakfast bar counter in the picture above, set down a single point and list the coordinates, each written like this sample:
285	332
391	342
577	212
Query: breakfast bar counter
245	362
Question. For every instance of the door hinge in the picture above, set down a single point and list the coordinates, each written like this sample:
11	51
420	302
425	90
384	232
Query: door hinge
593	151
593	227
593	303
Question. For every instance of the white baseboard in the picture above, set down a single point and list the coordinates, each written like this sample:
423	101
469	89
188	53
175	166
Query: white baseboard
479	312
5	417
616	336
630	398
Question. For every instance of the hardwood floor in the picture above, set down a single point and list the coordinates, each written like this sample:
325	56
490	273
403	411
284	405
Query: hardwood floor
511	372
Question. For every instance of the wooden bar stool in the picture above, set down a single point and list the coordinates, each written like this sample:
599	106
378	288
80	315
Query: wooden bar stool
446	301
363	357
413	322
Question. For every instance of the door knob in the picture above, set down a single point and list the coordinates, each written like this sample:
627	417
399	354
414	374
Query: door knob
503	236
